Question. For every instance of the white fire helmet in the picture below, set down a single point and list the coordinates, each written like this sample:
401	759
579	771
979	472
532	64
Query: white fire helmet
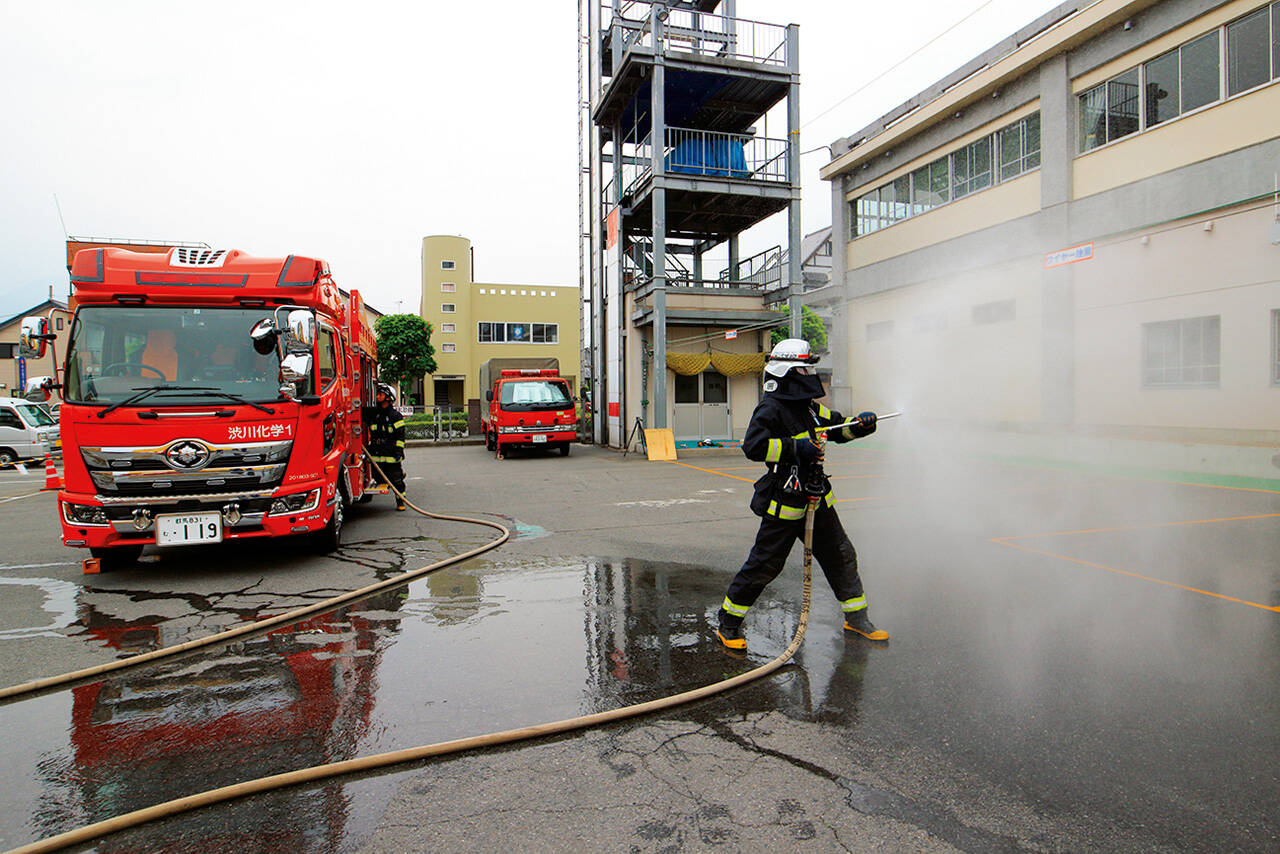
787	354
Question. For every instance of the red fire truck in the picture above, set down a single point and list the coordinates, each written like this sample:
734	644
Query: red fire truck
208	395
528	408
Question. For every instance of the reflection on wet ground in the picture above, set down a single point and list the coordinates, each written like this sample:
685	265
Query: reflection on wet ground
463	651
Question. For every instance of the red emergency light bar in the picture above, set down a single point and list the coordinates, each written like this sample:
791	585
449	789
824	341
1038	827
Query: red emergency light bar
530	372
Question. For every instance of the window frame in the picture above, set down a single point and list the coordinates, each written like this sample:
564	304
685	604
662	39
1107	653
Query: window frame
1181	326
448	265
448	287
448	308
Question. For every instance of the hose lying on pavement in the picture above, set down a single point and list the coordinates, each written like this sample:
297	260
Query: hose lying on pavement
427	751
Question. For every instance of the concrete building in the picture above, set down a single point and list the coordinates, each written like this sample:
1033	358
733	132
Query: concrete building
1077	229
472	322
682	150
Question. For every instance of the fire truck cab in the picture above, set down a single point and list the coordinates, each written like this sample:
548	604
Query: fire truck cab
208	395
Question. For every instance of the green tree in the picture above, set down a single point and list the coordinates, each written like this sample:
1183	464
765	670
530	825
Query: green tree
812	329
404	349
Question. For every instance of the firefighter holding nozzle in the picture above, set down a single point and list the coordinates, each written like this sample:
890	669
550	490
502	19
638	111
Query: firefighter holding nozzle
782	434
385	428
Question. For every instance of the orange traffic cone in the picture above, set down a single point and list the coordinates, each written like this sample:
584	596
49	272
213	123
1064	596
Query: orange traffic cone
51	480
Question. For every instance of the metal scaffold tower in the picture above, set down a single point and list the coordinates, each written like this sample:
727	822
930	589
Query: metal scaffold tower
676	159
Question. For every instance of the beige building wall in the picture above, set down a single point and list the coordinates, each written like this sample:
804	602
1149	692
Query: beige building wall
920	349
476	302
1181	272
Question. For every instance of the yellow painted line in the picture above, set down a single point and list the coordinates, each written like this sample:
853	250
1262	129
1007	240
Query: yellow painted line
1273	609
713	471
1138	527
1005	541
1218	486
855	476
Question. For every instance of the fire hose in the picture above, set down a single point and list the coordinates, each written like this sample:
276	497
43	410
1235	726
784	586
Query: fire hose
366	763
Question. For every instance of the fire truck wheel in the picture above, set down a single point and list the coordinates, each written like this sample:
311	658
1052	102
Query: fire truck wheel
329	538
116	557
564	449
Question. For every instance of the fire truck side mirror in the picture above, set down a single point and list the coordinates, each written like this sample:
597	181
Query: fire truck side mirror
264	335
295	367
302	330
488	395
38	388
34	339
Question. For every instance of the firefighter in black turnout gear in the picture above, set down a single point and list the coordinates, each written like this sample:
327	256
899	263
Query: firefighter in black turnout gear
384	427
781	434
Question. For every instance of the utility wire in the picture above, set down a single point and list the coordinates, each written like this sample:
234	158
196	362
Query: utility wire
895	66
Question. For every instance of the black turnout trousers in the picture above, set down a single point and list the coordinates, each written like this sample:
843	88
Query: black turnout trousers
831	546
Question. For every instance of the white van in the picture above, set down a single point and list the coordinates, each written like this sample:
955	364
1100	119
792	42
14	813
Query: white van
27	430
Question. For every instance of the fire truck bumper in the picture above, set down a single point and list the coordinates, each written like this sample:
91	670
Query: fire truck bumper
536	439
88	522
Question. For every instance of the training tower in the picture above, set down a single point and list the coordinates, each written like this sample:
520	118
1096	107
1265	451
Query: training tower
681	151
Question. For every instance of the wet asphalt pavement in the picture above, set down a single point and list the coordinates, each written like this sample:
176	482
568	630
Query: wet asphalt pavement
1078	662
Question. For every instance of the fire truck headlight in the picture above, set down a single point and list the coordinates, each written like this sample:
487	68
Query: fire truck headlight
299	502
84	514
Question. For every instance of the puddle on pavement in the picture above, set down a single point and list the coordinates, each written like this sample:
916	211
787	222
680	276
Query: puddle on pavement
467	650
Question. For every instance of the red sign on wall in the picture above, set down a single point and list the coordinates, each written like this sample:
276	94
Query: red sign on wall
614	411
611	229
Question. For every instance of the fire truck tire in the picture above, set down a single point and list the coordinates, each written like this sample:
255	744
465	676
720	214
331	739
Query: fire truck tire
116	557
564	449
329	538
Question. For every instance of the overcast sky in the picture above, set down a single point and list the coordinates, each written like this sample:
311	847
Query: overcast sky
350	131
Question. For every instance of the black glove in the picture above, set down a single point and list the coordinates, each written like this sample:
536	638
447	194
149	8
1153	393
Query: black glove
867	423
808	451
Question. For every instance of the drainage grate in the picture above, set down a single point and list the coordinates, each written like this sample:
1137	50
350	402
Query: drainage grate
183	257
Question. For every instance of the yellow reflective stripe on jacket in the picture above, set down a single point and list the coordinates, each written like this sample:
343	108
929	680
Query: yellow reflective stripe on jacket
823	412
804	435
774	452
383	459
830	498
400	444
734	608
857	603
784	512
398	424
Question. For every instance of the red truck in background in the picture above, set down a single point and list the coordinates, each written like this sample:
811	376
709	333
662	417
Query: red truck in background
528	407
208	395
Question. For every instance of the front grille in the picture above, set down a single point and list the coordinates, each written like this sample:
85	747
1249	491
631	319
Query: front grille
190	257
147	472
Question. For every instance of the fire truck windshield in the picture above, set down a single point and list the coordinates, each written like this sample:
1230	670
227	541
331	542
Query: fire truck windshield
535	395
115	352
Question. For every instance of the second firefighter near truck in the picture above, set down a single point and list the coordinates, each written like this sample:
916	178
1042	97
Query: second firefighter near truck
783	435
385	445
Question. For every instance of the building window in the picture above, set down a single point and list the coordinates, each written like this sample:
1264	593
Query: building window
1275	346
57	323
7	351
447	265
1181	352
971	168
880	330
546	333
1109	111
482	290
1249	52
448	328
553	293
492	333
934	322
1163	100
1019	146
1000	311
1275	40
448	287
448	348
448	308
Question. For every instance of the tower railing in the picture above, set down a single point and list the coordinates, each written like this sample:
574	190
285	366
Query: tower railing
707	154
701	33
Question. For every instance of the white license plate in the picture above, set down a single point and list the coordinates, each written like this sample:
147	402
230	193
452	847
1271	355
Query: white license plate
188	528
539	438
